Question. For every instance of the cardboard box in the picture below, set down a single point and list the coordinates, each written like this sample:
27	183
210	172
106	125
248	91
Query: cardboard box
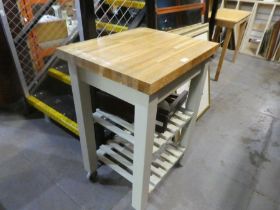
49	31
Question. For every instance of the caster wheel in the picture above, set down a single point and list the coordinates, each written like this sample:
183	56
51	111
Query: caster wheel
92	176
179	164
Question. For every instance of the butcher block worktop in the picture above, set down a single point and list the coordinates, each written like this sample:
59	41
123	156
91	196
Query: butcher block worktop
143	59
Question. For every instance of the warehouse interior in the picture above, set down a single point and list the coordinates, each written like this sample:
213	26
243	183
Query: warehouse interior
219	149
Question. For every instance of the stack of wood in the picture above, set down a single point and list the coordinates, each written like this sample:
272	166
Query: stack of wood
270	48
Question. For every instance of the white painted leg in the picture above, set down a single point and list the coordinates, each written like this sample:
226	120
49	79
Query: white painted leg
145	118
193	101
47	119
82	101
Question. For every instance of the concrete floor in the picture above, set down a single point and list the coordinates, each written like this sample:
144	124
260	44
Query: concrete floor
233	162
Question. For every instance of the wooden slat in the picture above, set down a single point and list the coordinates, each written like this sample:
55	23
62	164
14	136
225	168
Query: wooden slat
159	167
121	149
172	128
154	179
108	150
117	120
159	171
114	166
164	164
167	135
184	117
174	151
169	158
113	128
177	121
159	141
127	144
155	149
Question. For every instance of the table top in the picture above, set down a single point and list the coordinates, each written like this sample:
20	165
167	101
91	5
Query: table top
230	17
144	59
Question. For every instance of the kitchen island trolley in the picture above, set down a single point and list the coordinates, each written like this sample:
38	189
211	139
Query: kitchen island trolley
142	67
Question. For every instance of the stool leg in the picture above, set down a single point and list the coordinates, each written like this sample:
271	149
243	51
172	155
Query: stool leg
82	101
145	118
217	33
241	32
220	64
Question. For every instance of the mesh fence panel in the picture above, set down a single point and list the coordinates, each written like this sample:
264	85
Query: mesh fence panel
114	16
37	28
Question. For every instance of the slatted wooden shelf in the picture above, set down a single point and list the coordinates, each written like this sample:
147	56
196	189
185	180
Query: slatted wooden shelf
118	155
125	129
118	152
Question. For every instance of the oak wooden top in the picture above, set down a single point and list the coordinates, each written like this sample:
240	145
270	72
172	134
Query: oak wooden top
144	59
230	17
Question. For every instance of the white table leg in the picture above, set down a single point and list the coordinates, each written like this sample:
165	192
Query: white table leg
145	117
193	101
82	100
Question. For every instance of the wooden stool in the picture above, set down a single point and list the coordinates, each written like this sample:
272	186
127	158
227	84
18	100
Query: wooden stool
230	18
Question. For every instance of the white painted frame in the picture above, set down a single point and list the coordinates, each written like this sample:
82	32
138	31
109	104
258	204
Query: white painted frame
145	118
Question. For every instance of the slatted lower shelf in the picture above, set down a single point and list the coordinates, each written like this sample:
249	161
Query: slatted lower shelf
118	155
118	152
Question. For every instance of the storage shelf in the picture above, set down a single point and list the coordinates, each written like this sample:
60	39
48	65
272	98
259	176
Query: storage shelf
125	130
118	155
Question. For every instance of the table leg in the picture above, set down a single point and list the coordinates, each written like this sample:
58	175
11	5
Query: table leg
82	101
145	118
241	32
193	101
220	64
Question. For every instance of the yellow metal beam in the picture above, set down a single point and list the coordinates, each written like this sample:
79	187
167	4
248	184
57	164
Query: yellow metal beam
59	75
110	27
126	3
54	114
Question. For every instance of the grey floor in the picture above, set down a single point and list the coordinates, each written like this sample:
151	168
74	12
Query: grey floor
233	162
